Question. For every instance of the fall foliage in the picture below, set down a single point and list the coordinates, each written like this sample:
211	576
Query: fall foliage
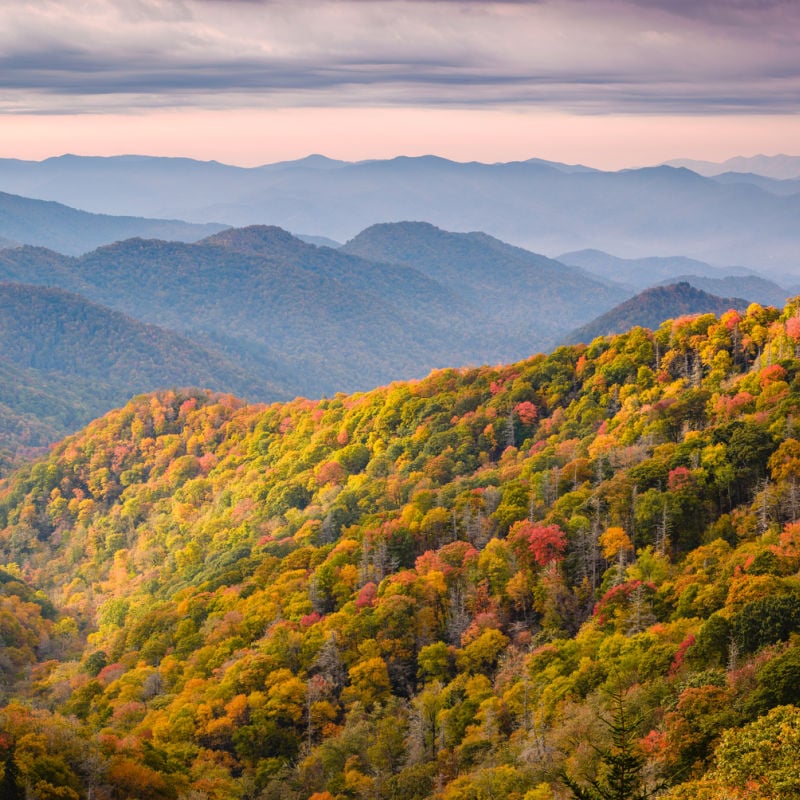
427	590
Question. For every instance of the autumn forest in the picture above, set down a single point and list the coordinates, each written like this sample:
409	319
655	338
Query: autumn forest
573	576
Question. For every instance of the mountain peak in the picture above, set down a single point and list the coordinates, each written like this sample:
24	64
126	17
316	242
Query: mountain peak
254	239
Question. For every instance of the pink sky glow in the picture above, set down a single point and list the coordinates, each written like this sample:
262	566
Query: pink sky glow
249	137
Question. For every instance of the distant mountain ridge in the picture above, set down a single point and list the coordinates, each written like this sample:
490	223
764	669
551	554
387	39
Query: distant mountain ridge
651	307
780	167
68	230
748	287
642	273
315	320
544	206
489	274
783	187
260	313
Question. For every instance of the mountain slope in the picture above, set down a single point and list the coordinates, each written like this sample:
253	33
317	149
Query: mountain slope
40	266
319	320
38	409
67	230
749	287
502	283
433	589
334	321
545	207
66	360
651	307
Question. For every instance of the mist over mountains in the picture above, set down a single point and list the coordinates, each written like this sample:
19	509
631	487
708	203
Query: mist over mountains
547	207
780	167
59	227
315	320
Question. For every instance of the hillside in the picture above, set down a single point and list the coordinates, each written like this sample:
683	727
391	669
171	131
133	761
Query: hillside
273	304
651	307
67	360
37	410
39	266
319	320
457	587
68	230
500	282
545	207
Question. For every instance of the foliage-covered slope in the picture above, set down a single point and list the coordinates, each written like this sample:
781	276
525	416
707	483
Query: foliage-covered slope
41	267
66	360
434	589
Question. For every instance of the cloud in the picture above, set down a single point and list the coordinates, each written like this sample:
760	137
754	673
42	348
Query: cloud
586	56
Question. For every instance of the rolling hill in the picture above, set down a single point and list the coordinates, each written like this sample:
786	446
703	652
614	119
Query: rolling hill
65	360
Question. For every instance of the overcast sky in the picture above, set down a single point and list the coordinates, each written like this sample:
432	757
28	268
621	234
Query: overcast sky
609	83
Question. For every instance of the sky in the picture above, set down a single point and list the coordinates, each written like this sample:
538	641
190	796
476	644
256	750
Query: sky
608	83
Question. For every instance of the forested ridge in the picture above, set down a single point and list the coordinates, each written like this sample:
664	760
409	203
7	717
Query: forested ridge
573	576
307	320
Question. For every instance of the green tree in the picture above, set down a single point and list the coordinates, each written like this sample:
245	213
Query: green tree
762	756
10	788
622	776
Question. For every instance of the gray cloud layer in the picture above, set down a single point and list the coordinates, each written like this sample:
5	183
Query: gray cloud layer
590	56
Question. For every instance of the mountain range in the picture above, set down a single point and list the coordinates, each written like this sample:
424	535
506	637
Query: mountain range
317	320
546	207
641	273
430	589
265	315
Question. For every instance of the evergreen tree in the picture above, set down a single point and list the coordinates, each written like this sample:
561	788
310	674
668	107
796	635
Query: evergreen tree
10	788
623	762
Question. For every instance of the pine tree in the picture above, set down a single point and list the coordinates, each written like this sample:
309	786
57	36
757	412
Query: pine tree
623	762
10	788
